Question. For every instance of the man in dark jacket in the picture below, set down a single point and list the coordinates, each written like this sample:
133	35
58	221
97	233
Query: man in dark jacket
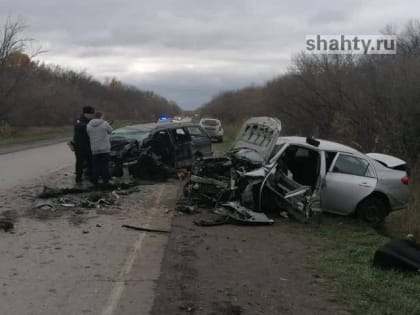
82	144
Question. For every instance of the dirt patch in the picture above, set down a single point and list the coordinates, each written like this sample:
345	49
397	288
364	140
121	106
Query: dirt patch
240	270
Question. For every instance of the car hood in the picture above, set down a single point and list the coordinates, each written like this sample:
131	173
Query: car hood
259	134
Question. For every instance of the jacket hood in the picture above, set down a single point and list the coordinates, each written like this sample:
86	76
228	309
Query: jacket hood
96	122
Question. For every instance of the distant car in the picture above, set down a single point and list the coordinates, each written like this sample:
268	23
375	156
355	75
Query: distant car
178	144
213	128
164	119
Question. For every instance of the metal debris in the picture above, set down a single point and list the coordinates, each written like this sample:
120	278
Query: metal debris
138	228
6	225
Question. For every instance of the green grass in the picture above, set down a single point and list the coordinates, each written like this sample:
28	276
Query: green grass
222	147
344	255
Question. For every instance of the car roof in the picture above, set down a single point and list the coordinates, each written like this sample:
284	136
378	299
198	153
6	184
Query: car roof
324	145
158	126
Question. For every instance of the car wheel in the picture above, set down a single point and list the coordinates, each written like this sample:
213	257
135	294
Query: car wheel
373	210
221	139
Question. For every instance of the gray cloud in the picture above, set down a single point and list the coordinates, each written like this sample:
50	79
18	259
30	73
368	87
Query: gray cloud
189	50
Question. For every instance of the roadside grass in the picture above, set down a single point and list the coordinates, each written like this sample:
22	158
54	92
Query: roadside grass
228	139
222	147
32	134
344	253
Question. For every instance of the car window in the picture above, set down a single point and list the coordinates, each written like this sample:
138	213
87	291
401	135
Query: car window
196	132
210	122
138	135
329	158
276	149
347	164
180	135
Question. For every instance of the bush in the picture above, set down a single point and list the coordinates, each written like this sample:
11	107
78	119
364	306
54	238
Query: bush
6	130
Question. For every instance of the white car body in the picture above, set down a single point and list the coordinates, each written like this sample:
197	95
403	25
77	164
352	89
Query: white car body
213	127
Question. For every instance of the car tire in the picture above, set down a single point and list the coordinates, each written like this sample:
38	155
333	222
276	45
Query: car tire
220	139
372	210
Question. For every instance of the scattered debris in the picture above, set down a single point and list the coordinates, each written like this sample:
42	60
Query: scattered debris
186	208
233	212
6	225
49	192
242	215
138	228
53	202
211	219
44	205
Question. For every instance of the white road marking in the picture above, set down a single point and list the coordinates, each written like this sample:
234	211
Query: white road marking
119	286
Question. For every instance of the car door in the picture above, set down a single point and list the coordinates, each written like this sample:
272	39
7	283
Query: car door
162	145
349	180
201	143
183	149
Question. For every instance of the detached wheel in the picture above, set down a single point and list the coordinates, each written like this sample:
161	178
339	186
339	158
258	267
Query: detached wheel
372	210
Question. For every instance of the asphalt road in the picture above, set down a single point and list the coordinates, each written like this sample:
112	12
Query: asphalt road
21	167
96	267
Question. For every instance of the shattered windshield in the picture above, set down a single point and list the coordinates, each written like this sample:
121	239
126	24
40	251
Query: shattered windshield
129	133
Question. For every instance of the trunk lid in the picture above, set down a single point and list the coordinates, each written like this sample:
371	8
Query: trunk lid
259	134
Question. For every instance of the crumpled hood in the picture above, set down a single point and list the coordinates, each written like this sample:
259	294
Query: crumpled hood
96	122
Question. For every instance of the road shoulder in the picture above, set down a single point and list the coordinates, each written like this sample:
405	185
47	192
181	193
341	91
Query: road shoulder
240	270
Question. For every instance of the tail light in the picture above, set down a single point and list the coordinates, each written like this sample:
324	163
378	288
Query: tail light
404	180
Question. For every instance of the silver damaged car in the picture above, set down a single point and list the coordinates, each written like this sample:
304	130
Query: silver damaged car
338	178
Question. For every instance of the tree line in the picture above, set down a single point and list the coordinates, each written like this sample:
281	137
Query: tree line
371	102
35	94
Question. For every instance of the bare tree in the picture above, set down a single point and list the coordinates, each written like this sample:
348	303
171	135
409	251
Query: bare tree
11	43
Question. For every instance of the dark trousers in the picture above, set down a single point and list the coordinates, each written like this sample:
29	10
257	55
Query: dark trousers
101	168
83	160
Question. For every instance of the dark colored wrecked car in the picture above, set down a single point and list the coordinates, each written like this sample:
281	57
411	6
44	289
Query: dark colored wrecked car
148	149
265	171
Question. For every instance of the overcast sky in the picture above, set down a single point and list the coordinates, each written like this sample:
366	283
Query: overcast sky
190	50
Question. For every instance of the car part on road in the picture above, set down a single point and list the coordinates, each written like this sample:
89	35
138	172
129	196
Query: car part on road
242	215
403	255
232	212
6	225
138	228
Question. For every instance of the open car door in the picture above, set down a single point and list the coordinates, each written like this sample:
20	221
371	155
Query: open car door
182	148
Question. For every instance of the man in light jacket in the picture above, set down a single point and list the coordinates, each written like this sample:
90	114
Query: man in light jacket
99	131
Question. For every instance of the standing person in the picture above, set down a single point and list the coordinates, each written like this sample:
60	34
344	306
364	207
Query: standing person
82	144
99	130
